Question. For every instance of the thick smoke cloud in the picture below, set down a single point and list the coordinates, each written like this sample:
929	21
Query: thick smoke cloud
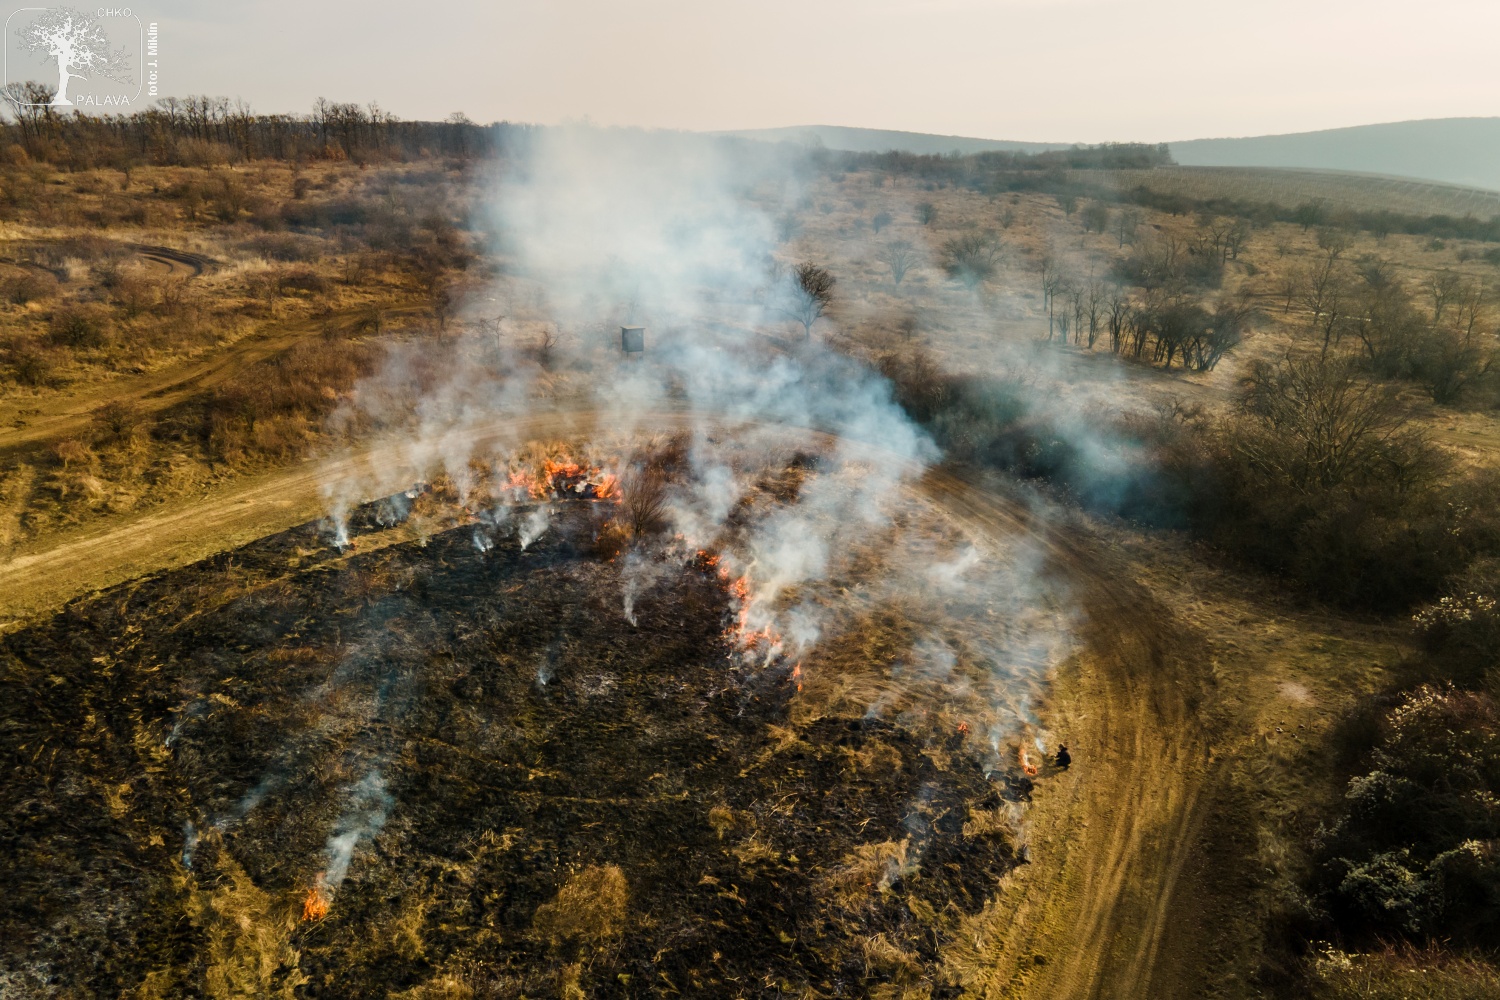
595	229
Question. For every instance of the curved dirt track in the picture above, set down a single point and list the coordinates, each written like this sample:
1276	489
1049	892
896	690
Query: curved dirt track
1108	839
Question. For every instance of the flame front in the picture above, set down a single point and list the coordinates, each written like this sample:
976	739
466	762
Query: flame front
315	904
563	479
765	640
1025	761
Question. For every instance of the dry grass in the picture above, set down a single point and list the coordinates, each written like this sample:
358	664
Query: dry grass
590	907
1402	974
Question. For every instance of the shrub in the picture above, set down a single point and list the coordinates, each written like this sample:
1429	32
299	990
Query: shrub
1461	631
971	258
28	286
1318	478
77	327
31	367
1414	852
285	247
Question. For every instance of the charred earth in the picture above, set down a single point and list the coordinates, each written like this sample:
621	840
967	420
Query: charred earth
445	767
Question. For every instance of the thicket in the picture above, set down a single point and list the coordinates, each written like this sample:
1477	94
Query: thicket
1315	477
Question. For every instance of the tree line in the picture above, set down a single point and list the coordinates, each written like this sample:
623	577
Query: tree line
205	131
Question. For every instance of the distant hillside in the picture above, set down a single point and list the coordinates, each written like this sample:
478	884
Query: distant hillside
1456	150
875	140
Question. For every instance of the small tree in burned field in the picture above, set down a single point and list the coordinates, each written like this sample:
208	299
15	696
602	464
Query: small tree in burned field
806	294
972	258
643	495
900	256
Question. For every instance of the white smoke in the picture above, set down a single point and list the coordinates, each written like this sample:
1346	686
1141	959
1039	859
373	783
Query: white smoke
362	820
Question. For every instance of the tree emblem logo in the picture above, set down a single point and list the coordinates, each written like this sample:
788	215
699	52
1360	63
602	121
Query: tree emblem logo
92	55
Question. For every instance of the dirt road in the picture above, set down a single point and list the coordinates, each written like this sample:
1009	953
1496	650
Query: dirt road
1107	840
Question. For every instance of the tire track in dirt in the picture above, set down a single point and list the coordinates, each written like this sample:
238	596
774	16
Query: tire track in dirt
1108	839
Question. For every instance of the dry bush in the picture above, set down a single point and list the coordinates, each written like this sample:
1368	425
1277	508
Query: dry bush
274	410
643	498
79	327
721	819
285	247
30	366
590	907
69	451
116	422
439	987
28	286
1401	973
133	294
990	823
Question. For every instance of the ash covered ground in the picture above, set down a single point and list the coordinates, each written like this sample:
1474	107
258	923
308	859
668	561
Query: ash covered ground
438	768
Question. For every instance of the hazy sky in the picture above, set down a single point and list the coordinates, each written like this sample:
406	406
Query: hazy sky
1056	70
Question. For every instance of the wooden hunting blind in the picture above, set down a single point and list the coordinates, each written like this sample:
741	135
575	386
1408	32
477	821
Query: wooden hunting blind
632	339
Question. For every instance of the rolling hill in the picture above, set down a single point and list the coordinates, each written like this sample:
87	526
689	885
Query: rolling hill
1462	151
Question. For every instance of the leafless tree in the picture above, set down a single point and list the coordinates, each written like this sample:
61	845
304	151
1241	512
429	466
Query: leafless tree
643	491
1315	424
808	292
546	347
972	258
1095	217
1443	286
1127	221
1325	289
29	103
900	256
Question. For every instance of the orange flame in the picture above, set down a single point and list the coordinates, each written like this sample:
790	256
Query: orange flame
765	639
1025	760
563	478
315	905
963	729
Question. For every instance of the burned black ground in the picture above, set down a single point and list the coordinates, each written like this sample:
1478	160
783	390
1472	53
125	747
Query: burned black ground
179	750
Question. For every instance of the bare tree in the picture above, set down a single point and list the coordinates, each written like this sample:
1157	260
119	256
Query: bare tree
78	43
1095	217
926	213
1325	289
1117	313
972	258
808	293
1127	221
900	256
643	491
880	221
28	103
1314	424
1444	286
1094	304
